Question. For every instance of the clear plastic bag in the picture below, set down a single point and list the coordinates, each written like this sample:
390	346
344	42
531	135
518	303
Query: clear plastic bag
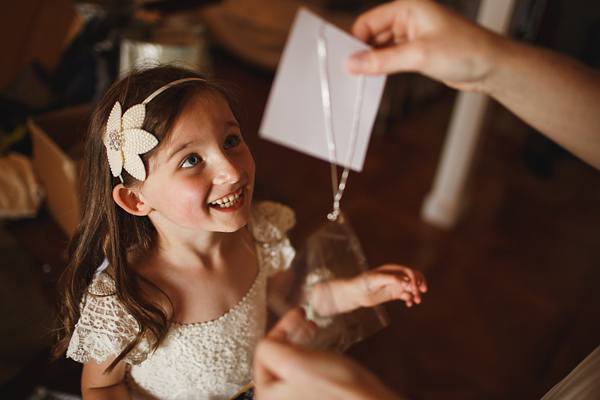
332	252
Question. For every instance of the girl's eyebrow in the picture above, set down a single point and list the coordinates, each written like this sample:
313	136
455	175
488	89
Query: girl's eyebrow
228	124
232	124
178	149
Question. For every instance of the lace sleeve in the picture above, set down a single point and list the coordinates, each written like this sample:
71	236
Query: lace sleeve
104	328
270	223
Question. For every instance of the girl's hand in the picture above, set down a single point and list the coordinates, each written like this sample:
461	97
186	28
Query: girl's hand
386	283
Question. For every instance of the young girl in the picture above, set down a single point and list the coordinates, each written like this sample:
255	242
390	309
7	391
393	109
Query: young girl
165	292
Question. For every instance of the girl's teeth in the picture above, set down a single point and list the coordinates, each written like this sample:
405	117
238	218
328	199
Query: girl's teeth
228	201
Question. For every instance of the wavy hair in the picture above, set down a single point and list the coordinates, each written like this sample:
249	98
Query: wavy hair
108	232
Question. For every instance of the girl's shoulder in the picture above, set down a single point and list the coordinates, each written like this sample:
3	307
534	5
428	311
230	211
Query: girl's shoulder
105	327
270	221
102	285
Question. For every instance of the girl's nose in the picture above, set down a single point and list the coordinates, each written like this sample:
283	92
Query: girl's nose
226	171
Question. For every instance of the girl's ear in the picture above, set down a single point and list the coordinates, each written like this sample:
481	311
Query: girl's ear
130	201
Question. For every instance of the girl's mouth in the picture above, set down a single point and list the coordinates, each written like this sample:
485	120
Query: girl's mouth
228	201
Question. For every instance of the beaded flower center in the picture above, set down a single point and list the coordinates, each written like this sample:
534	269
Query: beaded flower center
116	139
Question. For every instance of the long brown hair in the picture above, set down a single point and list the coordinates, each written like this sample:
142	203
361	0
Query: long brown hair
108	232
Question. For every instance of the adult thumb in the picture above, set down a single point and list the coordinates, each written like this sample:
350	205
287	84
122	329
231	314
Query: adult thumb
386	60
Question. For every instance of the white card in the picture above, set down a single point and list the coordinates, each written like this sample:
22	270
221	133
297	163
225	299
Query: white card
294	115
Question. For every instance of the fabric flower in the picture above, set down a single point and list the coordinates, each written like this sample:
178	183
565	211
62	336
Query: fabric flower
125	140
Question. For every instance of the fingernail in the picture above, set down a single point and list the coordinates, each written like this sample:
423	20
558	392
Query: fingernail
356	63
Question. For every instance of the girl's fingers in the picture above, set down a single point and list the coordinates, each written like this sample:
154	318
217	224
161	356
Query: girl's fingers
386	287
392	282
411	279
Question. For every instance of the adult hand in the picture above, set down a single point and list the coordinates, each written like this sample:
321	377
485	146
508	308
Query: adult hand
424	37
556	95
293	328
286	371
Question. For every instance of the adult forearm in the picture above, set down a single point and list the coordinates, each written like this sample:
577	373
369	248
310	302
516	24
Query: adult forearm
556	95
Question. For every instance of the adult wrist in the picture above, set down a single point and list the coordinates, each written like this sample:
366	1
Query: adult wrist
502	53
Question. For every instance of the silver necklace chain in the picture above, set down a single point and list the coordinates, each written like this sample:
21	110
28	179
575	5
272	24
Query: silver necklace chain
338	189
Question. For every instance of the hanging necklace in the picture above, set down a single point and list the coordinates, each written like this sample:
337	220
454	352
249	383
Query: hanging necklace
338	189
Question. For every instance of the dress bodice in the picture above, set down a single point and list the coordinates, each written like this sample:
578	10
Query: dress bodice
206	360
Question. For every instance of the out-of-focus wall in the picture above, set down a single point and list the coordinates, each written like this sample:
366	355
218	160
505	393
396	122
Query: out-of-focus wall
34	30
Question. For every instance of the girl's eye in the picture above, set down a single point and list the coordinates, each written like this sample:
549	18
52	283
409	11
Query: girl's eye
232	141
191	160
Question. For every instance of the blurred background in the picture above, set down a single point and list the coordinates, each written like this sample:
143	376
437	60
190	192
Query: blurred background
513	302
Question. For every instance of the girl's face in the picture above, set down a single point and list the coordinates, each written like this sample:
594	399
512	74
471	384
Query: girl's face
203	176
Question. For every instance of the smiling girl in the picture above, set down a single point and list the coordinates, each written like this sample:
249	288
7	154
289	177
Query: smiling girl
165	292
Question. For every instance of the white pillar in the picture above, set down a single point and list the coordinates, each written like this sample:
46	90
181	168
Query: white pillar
445	202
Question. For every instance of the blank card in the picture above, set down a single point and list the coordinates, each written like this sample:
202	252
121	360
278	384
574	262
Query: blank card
294	115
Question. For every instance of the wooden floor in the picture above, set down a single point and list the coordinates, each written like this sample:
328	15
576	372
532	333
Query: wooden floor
513	302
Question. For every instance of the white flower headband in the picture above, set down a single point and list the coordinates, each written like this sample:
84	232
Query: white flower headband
125	139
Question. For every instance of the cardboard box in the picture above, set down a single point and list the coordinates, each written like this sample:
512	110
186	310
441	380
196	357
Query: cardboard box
58	159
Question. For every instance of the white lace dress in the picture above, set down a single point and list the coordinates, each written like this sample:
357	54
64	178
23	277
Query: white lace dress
208	360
